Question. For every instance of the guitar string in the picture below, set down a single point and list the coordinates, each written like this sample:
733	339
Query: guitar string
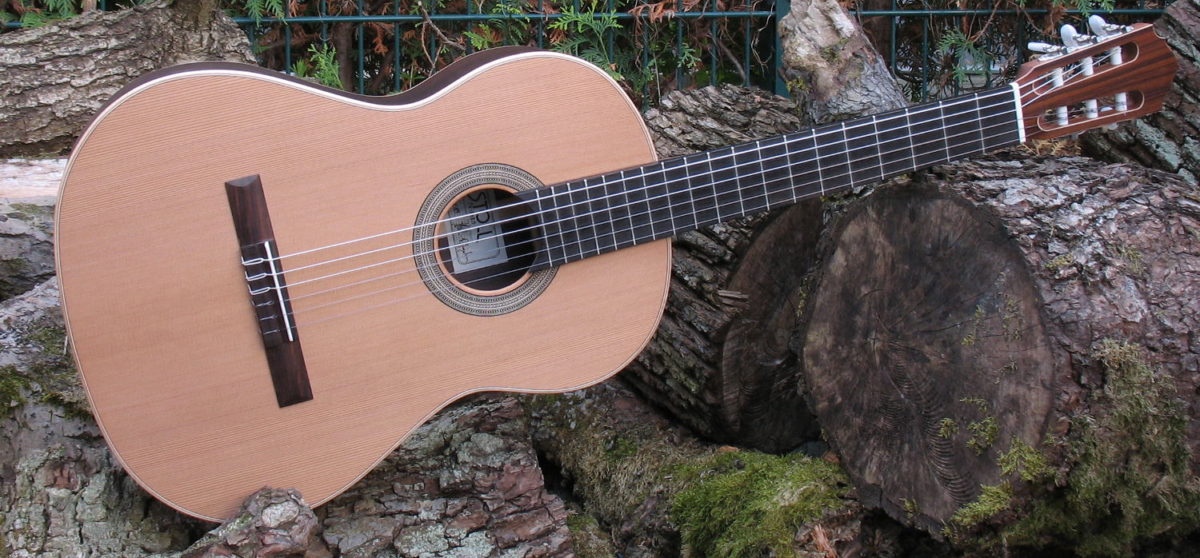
427	292
580	240
577	218
629	204
431	291
568	192
977	107
583	240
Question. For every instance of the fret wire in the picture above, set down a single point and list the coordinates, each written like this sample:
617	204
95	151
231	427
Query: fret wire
787	161
590	217
1000	92
979	120
820	183
763	173
546	234
628	210
691	198
817	159
713	185
878	146
945	139
738	177
815	189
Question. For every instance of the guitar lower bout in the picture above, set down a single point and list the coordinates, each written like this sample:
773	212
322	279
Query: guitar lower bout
159	298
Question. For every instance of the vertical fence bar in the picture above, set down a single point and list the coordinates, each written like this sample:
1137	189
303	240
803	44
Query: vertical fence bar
610	35
644	21
782	9
362	52
747	45
396	83
894	26
925	58
470	11
287	47
541	25
713	36
678	44
323	12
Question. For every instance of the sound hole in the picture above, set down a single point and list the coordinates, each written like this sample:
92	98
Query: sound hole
485	242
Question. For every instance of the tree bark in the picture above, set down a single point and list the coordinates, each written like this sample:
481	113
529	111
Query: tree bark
56	77
974	312
27	225
720	361
1168	140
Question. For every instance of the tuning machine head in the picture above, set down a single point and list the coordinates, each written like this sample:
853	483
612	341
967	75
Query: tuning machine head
1103	29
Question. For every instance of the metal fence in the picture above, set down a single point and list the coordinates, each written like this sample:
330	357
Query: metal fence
381	46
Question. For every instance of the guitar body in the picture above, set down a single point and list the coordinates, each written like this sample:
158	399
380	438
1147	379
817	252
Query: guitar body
155	293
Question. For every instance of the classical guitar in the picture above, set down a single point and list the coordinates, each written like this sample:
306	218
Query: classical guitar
246	310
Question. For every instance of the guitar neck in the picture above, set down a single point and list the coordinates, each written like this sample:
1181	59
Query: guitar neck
599	214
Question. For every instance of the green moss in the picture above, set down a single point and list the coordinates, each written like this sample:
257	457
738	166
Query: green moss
618	480
1132	258
588	539
1059	262
1011	319
972	336
992	500
983	431
1025	462
1130	477
911	508
947	428
12	385
620	448
745	504
34	209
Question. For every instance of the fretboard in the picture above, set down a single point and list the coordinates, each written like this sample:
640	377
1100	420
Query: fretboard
599	214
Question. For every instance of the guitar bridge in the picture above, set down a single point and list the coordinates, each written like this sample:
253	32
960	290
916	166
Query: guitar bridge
268	290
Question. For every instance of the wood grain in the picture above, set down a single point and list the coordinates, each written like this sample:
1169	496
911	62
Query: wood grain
145	186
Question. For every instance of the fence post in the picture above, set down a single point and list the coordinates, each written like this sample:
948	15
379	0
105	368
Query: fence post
782	7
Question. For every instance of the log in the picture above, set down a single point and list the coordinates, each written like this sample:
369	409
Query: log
56	77
27	223
653	489
986	341
466	483
1167	140
720	361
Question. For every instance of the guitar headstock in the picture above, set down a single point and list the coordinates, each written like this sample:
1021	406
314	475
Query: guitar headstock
1117	73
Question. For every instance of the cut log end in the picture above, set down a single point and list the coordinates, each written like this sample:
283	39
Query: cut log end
924	346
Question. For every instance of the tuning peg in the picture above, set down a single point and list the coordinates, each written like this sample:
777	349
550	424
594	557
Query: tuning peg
1045	48
1073	39
1068	34
1101	28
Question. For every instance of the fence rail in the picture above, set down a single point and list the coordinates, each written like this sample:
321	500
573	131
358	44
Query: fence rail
650	47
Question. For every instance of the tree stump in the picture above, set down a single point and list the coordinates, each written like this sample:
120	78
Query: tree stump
1168	140
996	323
56	77
720	361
